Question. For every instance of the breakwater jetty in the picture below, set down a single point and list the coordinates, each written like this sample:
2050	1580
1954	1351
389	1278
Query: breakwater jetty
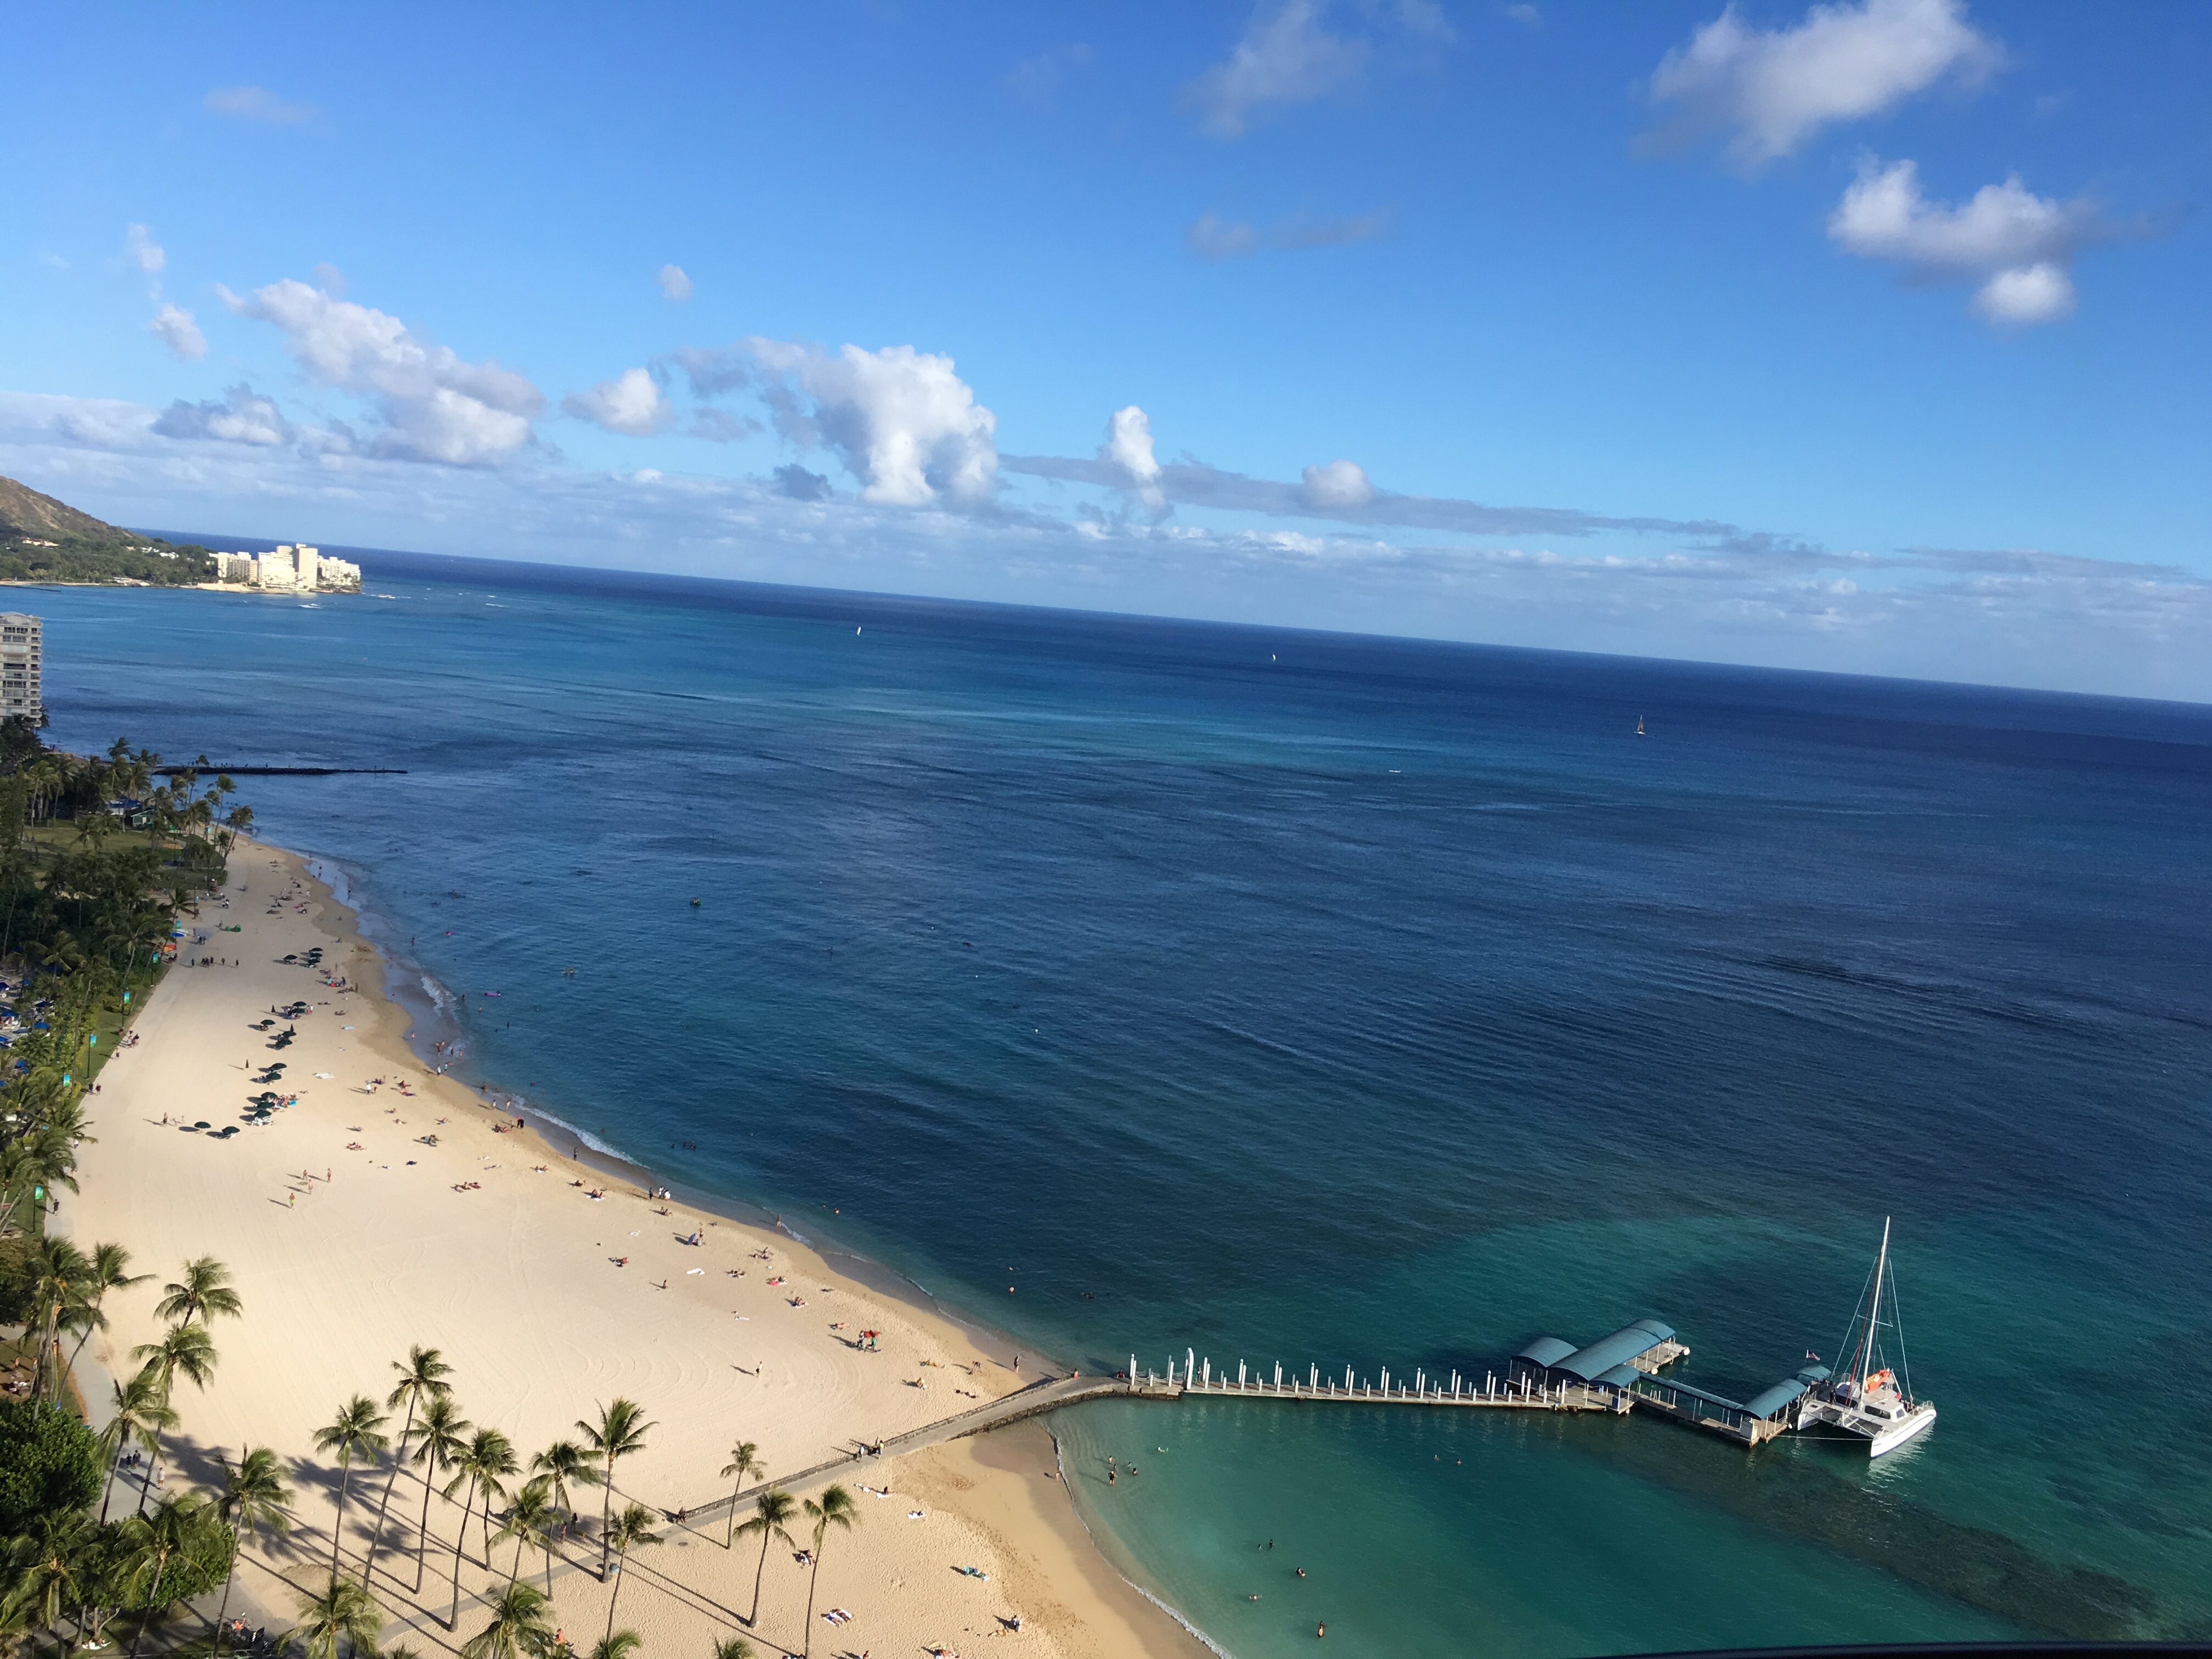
283	771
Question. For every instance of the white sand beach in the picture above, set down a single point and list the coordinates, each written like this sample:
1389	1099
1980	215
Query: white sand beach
352	1237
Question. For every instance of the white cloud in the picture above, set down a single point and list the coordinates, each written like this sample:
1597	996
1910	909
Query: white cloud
632	404
256	104
330	279
674	284
1528	16
1777	86
1340	485
2027	294
1284	57
902	421
720	427
140	248
174	327
435	406
1213	238
244	417
2023	616
1128	450
794	483
2015	244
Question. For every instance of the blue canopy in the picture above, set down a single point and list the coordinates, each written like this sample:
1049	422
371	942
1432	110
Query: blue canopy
1629	1343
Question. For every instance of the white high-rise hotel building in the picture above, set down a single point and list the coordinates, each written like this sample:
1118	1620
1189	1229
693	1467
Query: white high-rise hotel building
289	569
20	646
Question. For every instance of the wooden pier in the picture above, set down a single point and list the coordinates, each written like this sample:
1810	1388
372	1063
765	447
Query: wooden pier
1198	1377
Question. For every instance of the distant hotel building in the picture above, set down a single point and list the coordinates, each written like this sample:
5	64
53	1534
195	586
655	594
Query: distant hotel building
289	569
20	651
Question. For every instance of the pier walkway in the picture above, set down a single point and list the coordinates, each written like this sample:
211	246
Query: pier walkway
1050	1394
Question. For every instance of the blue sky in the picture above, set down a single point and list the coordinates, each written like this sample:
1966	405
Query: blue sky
1870	336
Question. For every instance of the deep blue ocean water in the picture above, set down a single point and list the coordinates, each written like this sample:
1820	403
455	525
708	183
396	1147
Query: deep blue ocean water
1339	1000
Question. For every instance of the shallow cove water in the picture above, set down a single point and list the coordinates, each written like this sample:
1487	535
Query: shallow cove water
1144	986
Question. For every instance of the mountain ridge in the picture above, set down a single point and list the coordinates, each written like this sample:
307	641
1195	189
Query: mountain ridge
25	513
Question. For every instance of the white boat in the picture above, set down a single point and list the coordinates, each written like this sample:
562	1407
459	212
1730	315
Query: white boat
1870	1400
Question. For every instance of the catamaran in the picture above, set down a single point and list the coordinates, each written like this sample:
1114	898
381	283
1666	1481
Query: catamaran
1870	1400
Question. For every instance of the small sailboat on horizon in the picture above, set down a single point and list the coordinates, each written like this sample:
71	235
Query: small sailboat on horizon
1870	1400
1639	726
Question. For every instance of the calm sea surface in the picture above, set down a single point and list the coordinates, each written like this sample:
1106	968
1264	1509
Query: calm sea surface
1341	1002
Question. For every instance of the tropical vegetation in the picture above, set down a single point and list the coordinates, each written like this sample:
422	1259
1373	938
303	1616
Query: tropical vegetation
98	1542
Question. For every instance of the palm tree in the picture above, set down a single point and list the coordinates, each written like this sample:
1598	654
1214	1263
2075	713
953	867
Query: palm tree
342	1612
563	1461
487	1457
519	1627
421	1378
203	1292
529	1521
633	1527
771	1510
254	1496
620	1430
141	1414
733	1647
836	1509
619	1644
744	1464
353	1432
184	1349
47	1567
61	1276
152	1542
438	1444
110	1271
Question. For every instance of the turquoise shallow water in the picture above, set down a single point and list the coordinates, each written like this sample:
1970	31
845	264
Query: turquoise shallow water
1341	1001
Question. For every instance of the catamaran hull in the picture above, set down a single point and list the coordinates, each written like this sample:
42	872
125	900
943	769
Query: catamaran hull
1829	1422
1897	1433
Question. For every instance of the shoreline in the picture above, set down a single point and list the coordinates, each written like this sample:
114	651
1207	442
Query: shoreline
589	1149
484	1245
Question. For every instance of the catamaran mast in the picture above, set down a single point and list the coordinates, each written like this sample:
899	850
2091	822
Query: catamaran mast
1874	1308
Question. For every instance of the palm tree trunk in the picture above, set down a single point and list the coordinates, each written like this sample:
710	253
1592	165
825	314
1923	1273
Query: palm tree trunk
548	1544
337	1527
731	1542
82	1340
422	1532
107	1494
814	1574
376	1537
223	1608
152	1469
606	1509
460	1540
46	1346
757	1571
152	1608
519	1542
616	1596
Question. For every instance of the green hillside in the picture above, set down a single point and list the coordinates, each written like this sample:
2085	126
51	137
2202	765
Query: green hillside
44	540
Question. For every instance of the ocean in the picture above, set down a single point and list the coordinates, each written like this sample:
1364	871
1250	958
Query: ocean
1143	986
